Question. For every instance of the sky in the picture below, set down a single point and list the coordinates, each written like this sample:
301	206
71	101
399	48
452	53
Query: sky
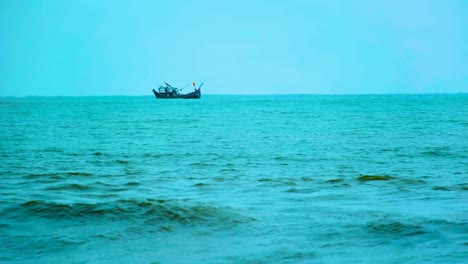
124	47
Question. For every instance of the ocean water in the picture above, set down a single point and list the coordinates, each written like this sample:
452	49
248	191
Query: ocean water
234	179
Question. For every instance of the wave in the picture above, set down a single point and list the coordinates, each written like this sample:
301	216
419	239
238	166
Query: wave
279	181
365	178
57	176
387	227
443	152
150	210
202	164
53	176
79	174
69	187
458	187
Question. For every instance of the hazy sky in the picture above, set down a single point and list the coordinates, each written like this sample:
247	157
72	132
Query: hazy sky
109	47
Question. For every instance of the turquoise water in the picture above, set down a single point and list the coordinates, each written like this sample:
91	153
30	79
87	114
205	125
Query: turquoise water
234	179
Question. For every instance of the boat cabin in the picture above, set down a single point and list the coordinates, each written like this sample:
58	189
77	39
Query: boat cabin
169	91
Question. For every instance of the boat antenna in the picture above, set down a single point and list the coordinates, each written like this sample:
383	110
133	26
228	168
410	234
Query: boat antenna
185	86
168	85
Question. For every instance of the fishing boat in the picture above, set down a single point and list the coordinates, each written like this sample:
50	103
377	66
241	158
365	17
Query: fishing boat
170	92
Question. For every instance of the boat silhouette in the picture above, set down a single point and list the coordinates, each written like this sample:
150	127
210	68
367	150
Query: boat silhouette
170	92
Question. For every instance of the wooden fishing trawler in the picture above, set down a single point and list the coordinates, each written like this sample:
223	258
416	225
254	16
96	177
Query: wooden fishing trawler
171	92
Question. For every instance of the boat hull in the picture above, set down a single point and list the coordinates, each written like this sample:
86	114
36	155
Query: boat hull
193	95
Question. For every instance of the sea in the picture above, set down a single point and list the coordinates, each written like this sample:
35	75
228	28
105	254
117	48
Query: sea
234	179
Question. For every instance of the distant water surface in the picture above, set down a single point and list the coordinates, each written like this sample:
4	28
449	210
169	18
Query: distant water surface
234	179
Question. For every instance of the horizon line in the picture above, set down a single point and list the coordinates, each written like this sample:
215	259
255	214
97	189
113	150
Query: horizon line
241	94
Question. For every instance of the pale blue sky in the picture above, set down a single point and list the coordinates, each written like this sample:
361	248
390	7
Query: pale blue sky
110	47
